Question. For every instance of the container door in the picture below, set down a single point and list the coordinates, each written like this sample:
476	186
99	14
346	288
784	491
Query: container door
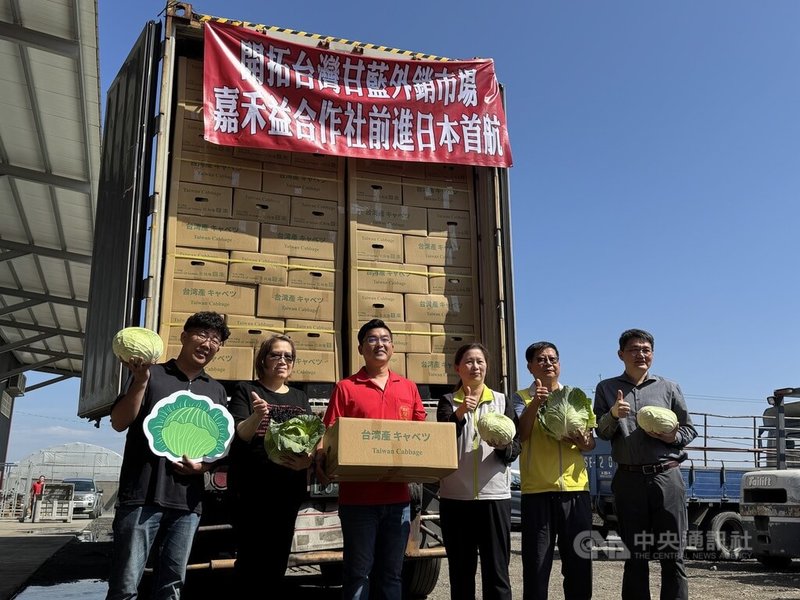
115	290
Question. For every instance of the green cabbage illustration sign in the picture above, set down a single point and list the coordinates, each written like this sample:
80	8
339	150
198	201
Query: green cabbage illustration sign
184	423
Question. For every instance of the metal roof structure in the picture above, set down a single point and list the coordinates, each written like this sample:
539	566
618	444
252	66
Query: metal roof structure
49	168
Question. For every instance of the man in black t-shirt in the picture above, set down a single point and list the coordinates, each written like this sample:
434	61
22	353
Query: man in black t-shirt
158	497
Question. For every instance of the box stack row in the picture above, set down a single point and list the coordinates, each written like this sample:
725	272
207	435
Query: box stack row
412	231
257	236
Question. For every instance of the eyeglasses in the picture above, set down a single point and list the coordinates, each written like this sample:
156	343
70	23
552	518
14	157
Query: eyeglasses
207	336
373	340
643	351
547	360
276	356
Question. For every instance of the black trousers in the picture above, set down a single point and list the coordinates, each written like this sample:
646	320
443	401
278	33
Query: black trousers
470	527
550	519
651	510
263	529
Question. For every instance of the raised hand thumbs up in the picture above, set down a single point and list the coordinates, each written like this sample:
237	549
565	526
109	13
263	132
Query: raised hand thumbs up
260	406
541	393
621	409
470	399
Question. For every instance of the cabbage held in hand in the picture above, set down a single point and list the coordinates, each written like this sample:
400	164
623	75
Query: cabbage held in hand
298	435
656	419
496	429
137	342
567	412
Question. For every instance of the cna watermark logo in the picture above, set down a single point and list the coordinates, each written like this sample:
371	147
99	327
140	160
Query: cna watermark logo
591	544
667	545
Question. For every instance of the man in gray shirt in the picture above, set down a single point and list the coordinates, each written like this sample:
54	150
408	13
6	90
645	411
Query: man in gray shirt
649	494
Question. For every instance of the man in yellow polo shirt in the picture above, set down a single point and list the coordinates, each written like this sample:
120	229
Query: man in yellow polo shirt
556	508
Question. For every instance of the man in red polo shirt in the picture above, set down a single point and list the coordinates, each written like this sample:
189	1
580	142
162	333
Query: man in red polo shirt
37	487
375	516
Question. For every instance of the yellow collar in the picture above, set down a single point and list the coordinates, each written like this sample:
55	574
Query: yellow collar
486	396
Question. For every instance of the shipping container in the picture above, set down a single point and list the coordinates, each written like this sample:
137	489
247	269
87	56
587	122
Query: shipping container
308	244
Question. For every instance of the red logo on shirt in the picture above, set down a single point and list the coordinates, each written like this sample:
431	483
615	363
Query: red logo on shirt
405	412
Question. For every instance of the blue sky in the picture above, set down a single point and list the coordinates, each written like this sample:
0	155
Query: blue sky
655	182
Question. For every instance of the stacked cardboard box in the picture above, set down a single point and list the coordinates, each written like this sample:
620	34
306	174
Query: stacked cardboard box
412	231
257	236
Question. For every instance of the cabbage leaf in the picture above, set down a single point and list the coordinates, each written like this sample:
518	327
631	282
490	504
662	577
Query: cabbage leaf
496	429
566	412
137	342
298	435
656	419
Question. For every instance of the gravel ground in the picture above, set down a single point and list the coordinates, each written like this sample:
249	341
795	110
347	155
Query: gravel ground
709	580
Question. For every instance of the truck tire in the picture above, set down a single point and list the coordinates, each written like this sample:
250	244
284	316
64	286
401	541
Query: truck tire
420	577
728	534
776	563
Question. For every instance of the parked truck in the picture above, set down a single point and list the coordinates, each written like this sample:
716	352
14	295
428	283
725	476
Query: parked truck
770	497
297	239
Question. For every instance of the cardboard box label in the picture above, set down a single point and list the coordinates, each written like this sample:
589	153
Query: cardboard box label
198	263
318	214
294	181
220	170
312	274
433	308
295	303
392	217
385	189
312	335
298	241
450	281
250	331
376	245
193	296
222	234
229	364
409	337
255	268
456	174
449	223
435	194
437	251
431	368
392	277
204	200
315	366
385	450
446	339
261	207
387	306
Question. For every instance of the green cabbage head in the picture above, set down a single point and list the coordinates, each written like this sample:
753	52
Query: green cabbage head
566	412
496	429
191	425
656	419
297	435
137	342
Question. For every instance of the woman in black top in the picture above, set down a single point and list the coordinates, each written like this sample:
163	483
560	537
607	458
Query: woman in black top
266	495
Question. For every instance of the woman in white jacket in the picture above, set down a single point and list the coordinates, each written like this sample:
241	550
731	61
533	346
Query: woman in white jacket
475	501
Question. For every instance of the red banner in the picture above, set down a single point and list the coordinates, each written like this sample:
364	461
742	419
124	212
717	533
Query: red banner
262	92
